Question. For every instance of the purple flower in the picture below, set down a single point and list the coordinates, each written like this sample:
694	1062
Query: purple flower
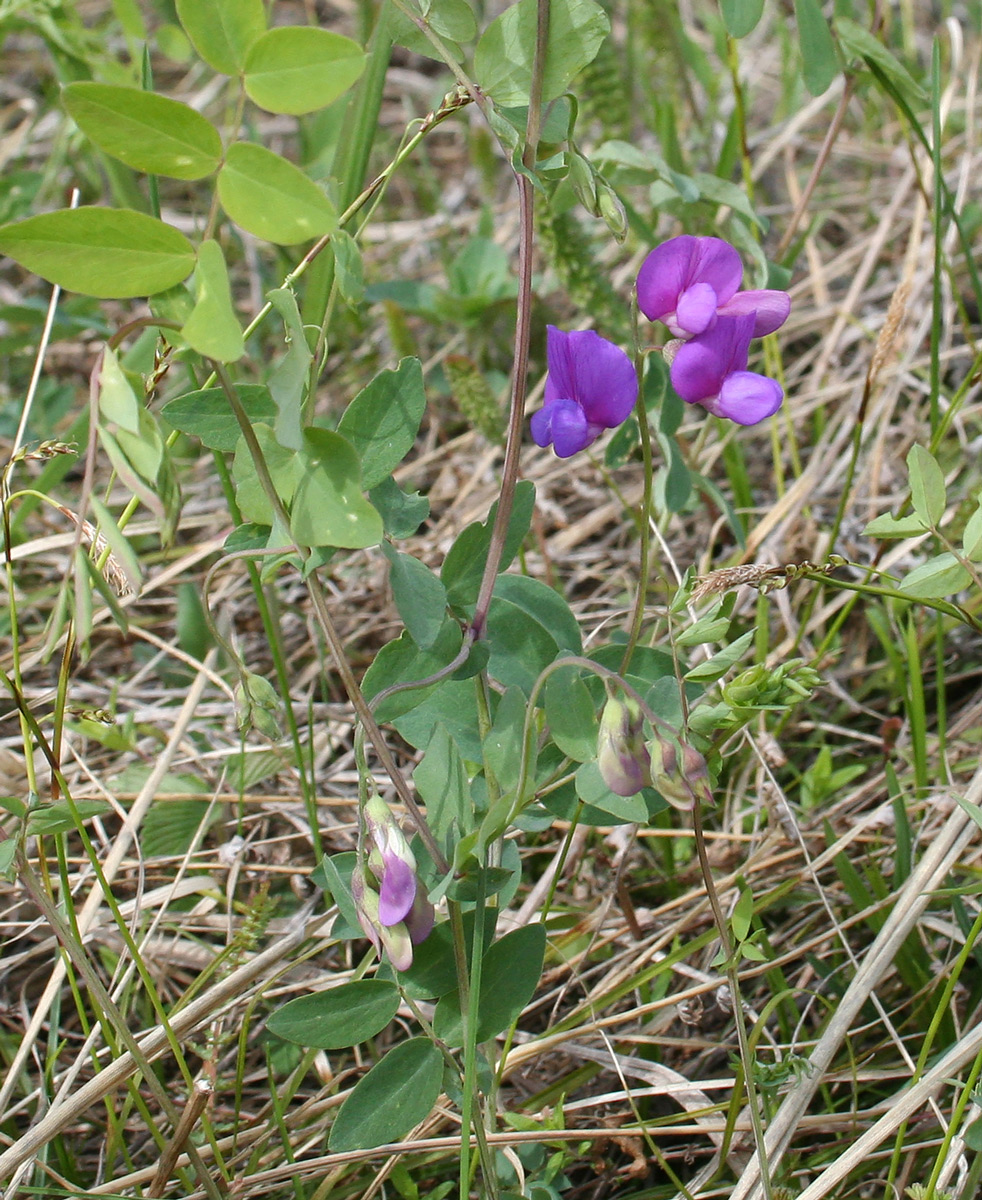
711	370
687	282
398	915
591	386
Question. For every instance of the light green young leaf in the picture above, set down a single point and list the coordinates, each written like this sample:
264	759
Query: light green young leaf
328	506
213	328
289	378
887	526
927	487
104	252
858	42
298	69
222	30
972	537
270	197
148	132
117	400
285	467
743	915
817	47
348	268
741	16
504	55
396	1094
719	664
937	578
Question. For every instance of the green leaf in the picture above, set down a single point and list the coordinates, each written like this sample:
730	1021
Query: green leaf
290	377
271	197
402	661
170	827
817	47
396	1094
328	506
441	779
285	468
149	133
222	30
58	818
104	252
927	488
464	565
719	664
383	419
213	329
420	597
858	42
206	414
118	404
887	526
741	16
938	577
297	69
503	59
571	716
591	789
348	267
972	537
402	512
743	915
509	974
545	605
453	20
339	1016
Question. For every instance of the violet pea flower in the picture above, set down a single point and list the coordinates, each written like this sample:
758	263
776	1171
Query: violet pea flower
591	386
687	282
711	370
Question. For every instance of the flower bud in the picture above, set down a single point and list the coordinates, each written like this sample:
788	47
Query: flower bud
391	861
621	755
395	940
679	773
612	210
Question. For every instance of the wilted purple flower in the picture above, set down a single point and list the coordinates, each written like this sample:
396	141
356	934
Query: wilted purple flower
398	915
687	282
591	386
622	758
711	370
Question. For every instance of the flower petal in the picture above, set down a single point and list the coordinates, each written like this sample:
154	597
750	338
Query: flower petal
664	275
696	309
718	264
397	891
606	385
770	309
700	366
419	921
561	380
564	424
747	398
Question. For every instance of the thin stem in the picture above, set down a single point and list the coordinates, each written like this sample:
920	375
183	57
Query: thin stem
733	978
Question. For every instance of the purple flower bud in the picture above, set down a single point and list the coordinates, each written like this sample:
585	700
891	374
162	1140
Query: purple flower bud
591	386
711	370
398	915
392	862
679	773
621	755
688	282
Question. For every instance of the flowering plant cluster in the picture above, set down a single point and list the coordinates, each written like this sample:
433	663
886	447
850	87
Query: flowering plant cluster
691	285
